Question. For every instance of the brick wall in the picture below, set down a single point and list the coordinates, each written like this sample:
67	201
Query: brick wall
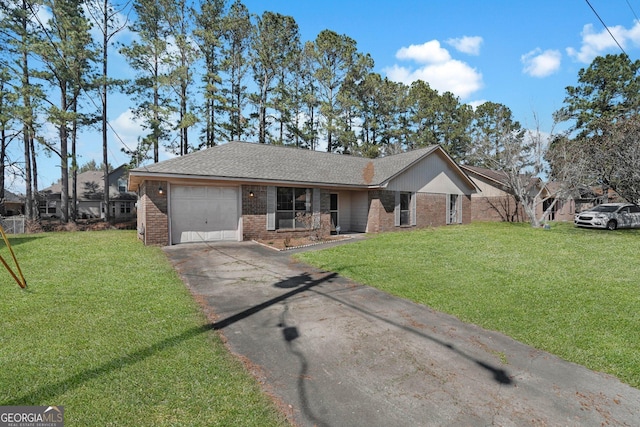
466	209
254	216
431	210
382	206
499	208
254	211
153	223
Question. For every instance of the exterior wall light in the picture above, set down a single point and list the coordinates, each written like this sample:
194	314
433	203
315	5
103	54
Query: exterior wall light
251	194
160	190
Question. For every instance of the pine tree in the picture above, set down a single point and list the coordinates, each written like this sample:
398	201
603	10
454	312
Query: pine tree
237	29
275	41
208	34
147	57
67	56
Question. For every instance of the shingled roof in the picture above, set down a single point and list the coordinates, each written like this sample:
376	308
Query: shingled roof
500	177
496	176
270	163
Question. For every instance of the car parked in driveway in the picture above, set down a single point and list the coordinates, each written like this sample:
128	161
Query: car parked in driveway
610	216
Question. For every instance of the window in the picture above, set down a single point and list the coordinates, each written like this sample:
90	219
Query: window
47	207
289	203
125	207
405	208
122	185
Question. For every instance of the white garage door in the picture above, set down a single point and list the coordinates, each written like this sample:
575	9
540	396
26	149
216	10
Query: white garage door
202	214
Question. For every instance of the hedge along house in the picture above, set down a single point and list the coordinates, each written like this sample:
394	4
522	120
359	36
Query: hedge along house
244	191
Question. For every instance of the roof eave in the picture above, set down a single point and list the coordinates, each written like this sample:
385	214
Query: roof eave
136	178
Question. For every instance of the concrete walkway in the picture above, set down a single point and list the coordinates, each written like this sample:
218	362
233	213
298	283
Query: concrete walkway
337	353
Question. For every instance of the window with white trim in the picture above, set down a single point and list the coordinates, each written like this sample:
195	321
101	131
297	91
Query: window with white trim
405	209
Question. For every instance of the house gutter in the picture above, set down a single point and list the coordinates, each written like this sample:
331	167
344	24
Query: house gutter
136	178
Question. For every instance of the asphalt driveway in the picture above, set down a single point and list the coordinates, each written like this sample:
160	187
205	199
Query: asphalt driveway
336	353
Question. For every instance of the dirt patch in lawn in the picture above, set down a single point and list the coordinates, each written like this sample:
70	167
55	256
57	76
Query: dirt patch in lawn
298	242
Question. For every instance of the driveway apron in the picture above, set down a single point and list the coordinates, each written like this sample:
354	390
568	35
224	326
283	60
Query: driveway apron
337	353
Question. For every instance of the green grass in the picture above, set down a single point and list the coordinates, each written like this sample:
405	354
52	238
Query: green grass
107	329
572	292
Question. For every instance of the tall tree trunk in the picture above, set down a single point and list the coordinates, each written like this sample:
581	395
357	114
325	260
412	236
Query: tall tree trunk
3	148
156	114
105	157
34	169
64	160
29	196
27	130
74	169
184	129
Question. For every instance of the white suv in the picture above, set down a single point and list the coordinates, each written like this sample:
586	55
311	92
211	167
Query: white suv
610	216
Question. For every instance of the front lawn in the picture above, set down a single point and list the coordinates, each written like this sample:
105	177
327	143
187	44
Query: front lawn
107	329
572	292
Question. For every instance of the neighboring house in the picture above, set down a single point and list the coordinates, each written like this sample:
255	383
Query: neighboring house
592	196
495	202
244	191
564	209
90	194
12	204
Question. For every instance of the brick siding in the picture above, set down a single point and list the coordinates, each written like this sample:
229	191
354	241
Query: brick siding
431	211
499	208
153	222
382	206
254	216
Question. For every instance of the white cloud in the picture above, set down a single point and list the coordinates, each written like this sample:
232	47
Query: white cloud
128	129
440	70
596	43
541	64
467	44
429	52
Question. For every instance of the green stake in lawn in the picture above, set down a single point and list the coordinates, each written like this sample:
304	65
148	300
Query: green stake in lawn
20	281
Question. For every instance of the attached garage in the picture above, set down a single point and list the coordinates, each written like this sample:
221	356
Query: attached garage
243	191
204	213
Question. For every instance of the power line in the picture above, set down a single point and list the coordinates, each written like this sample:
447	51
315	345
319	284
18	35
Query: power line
81	84
633	11
607	28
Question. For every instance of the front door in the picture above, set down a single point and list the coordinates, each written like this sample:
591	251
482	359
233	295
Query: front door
453	209
333	210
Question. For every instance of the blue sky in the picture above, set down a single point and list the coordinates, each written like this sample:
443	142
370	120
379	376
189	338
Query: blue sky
519	53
